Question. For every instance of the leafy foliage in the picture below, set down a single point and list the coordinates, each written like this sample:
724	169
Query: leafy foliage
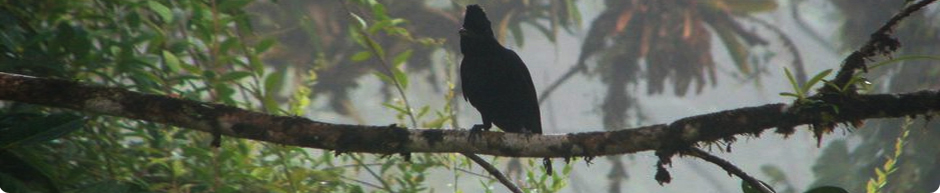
199	50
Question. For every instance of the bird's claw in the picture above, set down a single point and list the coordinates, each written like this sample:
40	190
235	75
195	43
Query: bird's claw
476	132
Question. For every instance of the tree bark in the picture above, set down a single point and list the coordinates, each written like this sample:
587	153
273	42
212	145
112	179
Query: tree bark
391	139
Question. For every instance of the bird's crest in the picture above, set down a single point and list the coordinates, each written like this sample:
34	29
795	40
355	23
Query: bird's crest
475	19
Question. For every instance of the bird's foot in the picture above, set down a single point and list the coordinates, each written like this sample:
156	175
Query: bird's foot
547	163
476	131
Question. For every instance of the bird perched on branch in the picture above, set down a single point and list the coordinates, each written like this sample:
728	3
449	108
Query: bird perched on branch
496	81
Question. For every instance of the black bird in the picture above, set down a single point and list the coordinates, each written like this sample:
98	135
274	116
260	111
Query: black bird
496	81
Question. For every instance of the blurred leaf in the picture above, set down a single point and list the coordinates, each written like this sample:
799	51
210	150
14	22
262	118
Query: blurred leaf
903	58
401	58
573	12
747	6
24	129
264	45
384	77
504	27
423	111
257	66
171	61
401	77
516	31
361	22
375	46
396	108
436	123
161	10
228	44
228	5
234	76
789	94
361	56
272	85
738	50
225	92
384	24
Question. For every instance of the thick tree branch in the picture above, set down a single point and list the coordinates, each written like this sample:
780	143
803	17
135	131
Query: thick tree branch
298	131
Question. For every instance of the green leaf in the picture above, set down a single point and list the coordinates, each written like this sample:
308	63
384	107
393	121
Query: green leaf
144	75
789	94
378	26
401	58
815	79
191	68
384	78
375	46
796	86
209	75
234	76
903	58
171	61
401	77
161	10
228	44
30	128
225	92
265	44
396	108
436	123
272	84
573	12
257	66
379	10
387	25
362	22
424	110
361	56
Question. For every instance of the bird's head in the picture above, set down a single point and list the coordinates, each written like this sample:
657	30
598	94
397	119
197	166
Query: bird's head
475	23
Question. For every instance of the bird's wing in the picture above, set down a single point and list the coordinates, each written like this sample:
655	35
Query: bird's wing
525	95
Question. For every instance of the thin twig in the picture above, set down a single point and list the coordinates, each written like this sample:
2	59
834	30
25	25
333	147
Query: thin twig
730	168
385	185
493	171
580	66
361	182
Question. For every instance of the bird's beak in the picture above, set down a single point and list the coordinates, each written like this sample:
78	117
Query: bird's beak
463	32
